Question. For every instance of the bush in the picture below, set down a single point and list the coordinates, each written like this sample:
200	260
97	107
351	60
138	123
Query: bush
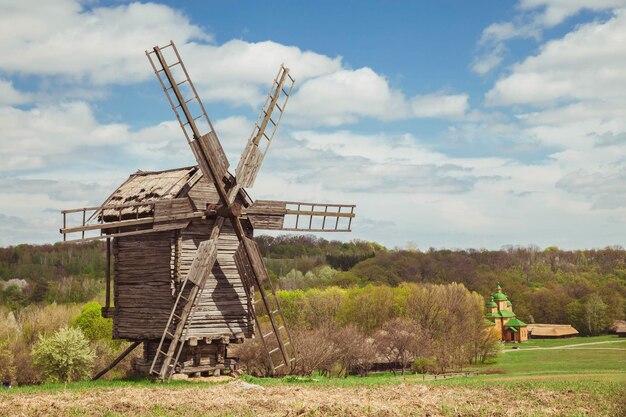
93	325
423	365
7	367
63	357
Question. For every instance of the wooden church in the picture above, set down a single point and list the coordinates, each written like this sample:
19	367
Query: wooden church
500	315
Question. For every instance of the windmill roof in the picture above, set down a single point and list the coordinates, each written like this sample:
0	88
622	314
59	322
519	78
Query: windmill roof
147	186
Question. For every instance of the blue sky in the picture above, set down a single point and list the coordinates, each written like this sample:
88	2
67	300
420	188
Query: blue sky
449	124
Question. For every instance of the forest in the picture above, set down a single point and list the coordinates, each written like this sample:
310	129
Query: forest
585	288
420	310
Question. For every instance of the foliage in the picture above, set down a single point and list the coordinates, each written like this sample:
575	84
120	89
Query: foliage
93	325
64	356
63	273
7	368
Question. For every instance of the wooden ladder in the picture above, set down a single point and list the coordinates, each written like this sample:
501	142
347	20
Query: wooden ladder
273	333
192	286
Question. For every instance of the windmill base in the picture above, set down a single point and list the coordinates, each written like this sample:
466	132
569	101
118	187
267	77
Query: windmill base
202	358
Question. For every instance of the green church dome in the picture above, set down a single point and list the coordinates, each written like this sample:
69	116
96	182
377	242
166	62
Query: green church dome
499	296
491	303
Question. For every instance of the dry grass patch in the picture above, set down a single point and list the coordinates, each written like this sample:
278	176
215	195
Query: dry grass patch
239	398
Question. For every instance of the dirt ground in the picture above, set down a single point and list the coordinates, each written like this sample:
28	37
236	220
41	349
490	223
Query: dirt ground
239	398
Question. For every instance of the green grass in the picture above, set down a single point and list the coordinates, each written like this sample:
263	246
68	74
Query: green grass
578	361
560	342
104	384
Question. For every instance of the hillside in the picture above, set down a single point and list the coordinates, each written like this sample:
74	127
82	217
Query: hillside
586	288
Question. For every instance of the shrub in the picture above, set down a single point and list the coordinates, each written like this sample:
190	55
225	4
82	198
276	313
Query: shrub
252	357
63	357
7	367
423	365
316	351
93	325
26	374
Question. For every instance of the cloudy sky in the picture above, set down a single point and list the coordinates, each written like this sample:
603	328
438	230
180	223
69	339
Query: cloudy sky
449	123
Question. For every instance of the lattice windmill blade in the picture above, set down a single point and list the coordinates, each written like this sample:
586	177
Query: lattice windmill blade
174	78
259	142
300	216
274	333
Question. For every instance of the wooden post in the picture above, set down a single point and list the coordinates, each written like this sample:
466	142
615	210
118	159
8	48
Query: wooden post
108	275
116	360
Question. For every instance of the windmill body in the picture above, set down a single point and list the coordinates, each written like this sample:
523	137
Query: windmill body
188	280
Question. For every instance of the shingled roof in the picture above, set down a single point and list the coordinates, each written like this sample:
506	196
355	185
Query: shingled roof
147	186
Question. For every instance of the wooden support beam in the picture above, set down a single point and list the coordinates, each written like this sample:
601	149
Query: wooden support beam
116	360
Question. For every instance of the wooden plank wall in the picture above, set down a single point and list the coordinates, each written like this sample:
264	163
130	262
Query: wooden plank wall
149	266
223	307
142	285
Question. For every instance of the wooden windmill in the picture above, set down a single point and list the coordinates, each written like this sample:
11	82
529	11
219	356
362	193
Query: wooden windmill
188	278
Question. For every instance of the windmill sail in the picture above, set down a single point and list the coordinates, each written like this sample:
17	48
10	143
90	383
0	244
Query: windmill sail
259	142
300	216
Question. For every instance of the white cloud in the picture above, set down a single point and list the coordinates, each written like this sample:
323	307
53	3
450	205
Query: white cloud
10	96
585	64
92	48
439	105
556	11
102	45
530	24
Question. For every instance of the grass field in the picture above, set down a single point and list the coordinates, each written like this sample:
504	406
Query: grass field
540	378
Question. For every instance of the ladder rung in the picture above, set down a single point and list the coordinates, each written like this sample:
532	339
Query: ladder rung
268	334
286	93
174	64
279	108
274	350
182	82
279	366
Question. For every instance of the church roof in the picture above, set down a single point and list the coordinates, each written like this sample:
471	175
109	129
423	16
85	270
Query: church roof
491	303
514	322
499	296
502	314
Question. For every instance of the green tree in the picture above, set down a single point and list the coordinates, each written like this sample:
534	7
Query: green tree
595	314
63	357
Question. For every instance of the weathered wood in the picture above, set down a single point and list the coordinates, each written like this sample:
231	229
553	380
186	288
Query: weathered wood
116	361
